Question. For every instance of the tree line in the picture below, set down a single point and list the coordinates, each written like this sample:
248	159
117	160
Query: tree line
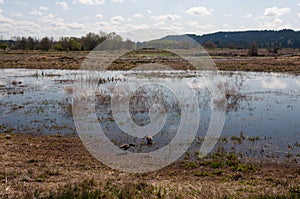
252	40
272	40
84	43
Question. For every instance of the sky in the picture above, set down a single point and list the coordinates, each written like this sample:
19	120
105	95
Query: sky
39	18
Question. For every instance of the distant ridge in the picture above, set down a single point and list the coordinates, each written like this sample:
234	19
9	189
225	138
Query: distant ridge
271	39
242	39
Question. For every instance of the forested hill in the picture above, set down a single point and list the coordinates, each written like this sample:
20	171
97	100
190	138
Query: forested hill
235	40
242	39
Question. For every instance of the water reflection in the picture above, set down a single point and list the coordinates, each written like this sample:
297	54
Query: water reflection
263	107
297	82
273	83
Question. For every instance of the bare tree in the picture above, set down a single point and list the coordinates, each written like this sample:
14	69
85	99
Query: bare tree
253	51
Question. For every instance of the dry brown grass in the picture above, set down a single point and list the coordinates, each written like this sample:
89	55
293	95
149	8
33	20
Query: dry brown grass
224	59
262	64
37	166
42	60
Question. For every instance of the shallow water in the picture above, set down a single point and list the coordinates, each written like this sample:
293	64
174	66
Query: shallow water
262	114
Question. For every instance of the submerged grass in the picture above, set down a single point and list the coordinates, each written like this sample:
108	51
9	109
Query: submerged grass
227	160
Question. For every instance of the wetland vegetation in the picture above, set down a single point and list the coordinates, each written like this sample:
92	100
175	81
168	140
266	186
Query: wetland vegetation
257	155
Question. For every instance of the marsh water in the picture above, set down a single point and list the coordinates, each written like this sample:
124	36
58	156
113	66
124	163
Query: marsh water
262	113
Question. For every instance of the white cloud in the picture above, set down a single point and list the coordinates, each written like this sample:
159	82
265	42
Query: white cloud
117	1
100	16
160	23
47	18
1	1
173	27
63	4
274	11
199	11
117	19
76	25
299	15
4	19
138	27
206	27
58	23
90	2
17	14
35	12
196	25
138	15
248	16
143	32
165	17
45	24
101	24
276	23
177	24
149	11
192	23
43	8
5	28
26	25
55	23
18	27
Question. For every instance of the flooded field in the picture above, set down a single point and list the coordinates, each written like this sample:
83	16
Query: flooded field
262	113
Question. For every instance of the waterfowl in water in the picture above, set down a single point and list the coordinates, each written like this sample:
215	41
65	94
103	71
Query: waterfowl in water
126	146
149	139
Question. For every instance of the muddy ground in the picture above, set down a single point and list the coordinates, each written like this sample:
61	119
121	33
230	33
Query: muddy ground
285	61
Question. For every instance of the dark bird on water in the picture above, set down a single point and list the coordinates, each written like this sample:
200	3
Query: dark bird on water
126	146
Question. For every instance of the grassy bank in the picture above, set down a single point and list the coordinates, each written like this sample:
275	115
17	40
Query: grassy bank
60	167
